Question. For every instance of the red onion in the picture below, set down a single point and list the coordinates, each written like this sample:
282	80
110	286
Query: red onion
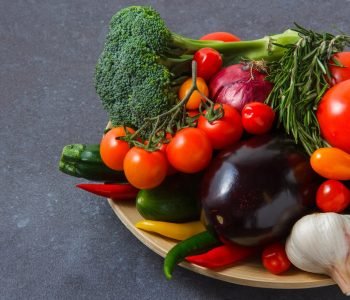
238	85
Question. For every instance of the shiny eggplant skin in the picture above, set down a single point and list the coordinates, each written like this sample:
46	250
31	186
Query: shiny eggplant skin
253	192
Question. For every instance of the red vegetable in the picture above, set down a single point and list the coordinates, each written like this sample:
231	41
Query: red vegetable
222	256
221	36
275	259
332	196
340	74
144	169
110	190
257	118
190	150
224	131
333	115
112	149
238	85
209	62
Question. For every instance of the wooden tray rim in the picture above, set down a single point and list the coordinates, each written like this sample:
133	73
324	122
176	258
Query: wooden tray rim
270	281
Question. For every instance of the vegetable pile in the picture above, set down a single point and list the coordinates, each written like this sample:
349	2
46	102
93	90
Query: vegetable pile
234	148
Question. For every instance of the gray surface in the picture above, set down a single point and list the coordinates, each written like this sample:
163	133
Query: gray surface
57	242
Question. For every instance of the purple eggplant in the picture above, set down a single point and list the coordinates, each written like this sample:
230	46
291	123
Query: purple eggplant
253	192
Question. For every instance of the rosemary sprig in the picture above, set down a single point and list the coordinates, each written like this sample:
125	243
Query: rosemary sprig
300	79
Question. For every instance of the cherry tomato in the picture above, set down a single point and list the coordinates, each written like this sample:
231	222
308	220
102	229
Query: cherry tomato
275	259
112	149
209	62
195	99
340	74
170	169
257	118
189	151
332	196
221	36
224	131
144	169
333	115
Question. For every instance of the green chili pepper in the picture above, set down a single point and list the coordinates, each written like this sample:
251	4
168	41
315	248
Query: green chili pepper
196	244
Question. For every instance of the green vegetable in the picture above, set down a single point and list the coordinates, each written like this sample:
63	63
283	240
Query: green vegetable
173	201
300	79
143	63
84	161
194	245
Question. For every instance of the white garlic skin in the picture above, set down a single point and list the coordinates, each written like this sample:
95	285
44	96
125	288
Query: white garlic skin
319	241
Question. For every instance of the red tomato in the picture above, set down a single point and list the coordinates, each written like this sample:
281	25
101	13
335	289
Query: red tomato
192	113
112	149
275	259
221	36
333	115
170	169
332	196
189	151
340	74
209	62
257	118
195	99
224	131
143	169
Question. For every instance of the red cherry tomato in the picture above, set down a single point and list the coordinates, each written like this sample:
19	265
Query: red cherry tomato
257	118
332	196
209	62
275	259
189	151
221	36
143	169
333	115
112	149
224	131
340	74
170	169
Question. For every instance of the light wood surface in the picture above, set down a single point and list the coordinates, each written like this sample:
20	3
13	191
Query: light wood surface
250	273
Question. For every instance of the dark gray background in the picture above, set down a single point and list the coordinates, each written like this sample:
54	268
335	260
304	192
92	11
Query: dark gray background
57	242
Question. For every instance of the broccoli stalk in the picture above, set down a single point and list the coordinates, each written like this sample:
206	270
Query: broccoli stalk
143	63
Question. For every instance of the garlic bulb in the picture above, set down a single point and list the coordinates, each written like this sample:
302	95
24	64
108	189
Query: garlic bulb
320	243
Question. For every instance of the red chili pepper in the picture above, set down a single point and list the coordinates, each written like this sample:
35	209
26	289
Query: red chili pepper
222	256
110	190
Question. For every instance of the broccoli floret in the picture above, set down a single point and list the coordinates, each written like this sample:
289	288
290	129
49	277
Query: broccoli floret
143	63
132	84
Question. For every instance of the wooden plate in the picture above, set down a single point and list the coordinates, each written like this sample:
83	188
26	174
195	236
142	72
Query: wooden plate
249	273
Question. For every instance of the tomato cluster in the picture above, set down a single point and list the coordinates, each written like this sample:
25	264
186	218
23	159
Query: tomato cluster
190	149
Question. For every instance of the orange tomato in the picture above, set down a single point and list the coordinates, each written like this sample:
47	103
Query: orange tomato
195	99
112	149
331	163
143	169
190	150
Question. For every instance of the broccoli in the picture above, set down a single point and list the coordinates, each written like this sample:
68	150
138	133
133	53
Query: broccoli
143	63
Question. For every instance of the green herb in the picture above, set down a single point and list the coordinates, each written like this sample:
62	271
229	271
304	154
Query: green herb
300	80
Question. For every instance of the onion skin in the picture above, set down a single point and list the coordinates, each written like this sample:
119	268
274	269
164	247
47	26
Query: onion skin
238	85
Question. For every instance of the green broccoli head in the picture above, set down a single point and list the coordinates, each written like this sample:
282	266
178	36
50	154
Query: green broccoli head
142	22
132	84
